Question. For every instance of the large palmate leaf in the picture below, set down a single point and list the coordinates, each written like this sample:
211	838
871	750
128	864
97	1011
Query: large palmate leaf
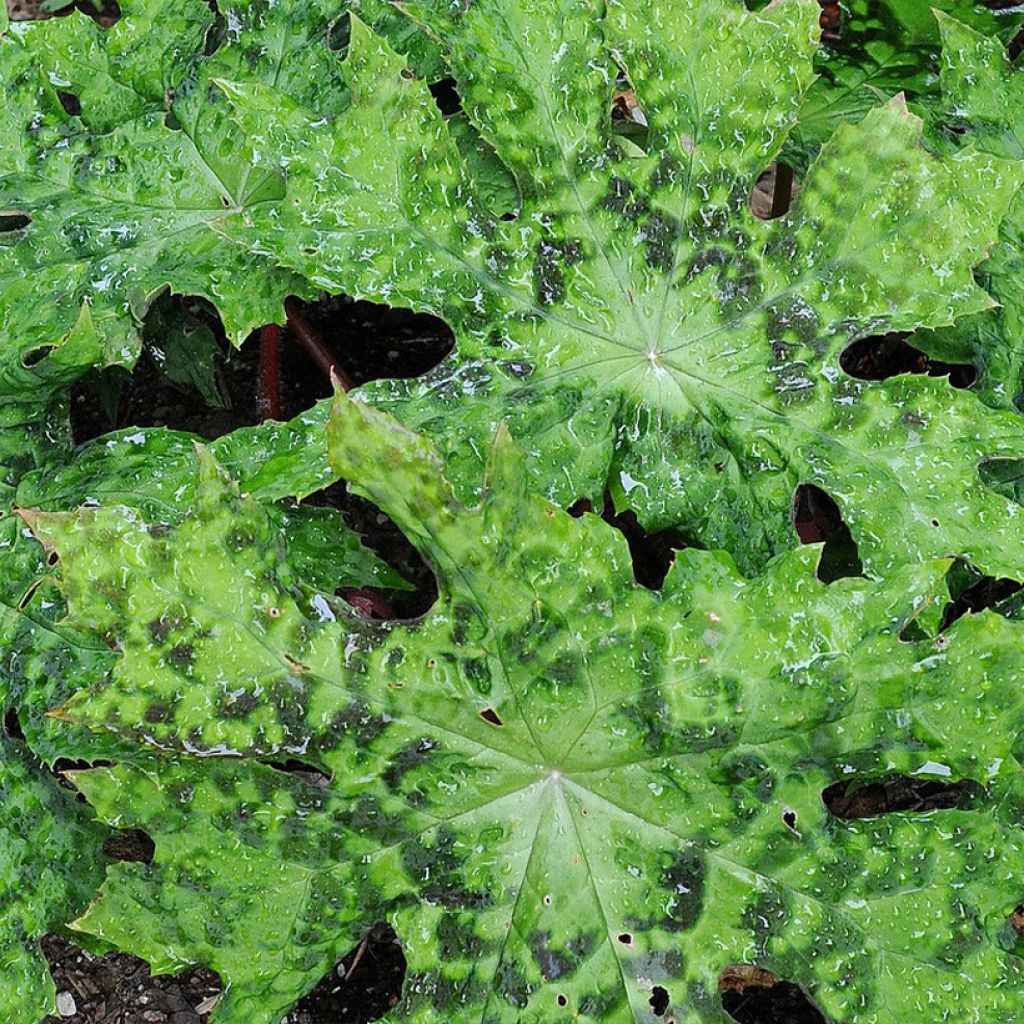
984	95
633	323
49	869
571	796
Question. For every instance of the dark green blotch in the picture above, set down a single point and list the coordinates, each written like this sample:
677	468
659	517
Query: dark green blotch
439	869
238	706
513	987
649	714
159	629
456	939
548	276
158	711
660	234
465	615
765	916
355	721
669	171
408	758
478	672
715	256
602	1005
240	538
684	879
622	198
567	669
181	655
553	963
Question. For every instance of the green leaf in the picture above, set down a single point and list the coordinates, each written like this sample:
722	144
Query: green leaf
886	47
560	788
983	97
43	661
184	349
49	869
119	201
635	325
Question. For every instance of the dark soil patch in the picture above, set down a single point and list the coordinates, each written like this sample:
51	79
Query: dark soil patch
888	355
118	989
752	995
385	539
361	988
369	341
850	799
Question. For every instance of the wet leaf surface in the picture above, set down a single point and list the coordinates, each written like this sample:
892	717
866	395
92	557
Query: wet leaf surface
657	771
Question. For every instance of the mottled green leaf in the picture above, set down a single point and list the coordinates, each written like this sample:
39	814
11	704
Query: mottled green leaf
49	869
886	47
560	788
984	96
43	661
635	325
114	193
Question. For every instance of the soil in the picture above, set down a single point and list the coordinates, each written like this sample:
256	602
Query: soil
118	989
752	995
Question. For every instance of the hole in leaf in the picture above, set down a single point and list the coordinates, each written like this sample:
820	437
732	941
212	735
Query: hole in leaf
492	716
816	518
188	377
850	799
14	221
130	844
562	1001
339	35
752	995
789	818
1005	477
12	725
773	192
652	553
659	1001
362	987
367	340
1015	47
625	108
626	939
106	13
1017	919
976	595
70	102
34	356
368	600
446	96
66	764
888	355
830	22
302	770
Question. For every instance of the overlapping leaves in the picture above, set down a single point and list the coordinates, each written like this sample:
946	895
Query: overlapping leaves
568	794
562	789
633	322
